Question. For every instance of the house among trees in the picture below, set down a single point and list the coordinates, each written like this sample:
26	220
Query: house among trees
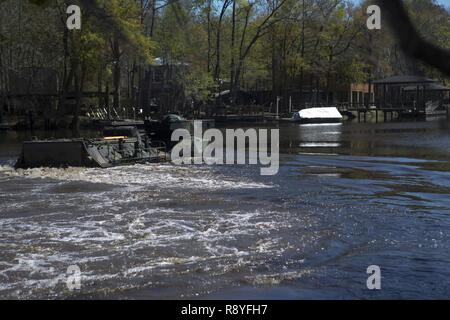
161	90
34	88
314	94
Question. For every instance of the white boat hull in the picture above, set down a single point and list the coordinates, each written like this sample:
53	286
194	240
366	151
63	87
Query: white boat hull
318	115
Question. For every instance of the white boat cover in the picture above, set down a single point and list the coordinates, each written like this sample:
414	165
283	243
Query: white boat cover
320	113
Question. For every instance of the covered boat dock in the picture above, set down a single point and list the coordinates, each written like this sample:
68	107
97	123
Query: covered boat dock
408	96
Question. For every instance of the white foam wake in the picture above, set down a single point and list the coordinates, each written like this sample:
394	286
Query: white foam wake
161	176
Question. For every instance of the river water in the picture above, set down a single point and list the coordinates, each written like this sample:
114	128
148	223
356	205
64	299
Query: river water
346	197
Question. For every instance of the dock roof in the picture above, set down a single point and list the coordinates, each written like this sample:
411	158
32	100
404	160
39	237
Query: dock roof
404	80
429	87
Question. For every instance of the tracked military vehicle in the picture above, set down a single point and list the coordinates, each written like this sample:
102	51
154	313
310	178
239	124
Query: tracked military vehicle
120	145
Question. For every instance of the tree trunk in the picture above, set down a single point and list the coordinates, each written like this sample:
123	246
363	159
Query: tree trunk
218	39
208	17
302	52
232	64
79	87
100	97
152	24
117	73
67	78
217	68
107	104
132	83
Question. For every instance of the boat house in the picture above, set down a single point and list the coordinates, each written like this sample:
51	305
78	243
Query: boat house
411	95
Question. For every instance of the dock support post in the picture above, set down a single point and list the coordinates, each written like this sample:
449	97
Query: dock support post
278	107
290	104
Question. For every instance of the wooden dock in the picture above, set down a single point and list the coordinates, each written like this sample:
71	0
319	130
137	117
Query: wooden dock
389	114
251	118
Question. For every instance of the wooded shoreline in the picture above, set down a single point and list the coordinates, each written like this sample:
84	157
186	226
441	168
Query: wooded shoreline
149	57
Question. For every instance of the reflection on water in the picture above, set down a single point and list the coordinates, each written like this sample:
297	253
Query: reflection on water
347	196
429	140
320	135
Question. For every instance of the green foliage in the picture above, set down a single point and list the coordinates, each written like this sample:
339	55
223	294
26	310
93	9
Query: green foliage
354	71
123	16
198	86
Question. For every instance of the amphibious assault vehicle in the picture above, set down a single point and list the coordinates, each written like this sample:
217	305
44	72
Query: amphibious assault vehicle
121	144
